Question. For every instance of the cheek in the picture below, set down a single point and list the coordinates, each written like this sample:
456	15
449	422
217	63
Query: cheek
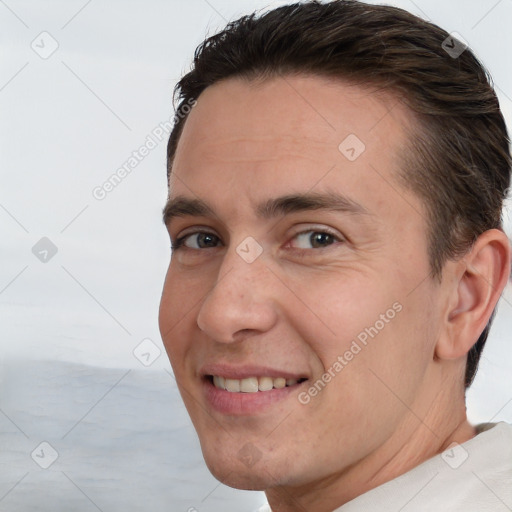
181	292
167	312
175	314
345	315
368	341
384	361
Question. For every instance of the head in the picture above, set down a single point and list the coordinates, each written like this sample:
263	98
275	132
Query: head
352	122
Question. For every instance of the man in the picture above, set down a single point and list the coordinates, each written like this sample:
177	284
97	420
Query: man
334	208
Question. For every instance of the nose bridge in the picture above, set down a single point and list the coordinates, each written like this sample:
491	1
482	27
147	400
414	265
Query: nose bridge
241	299
245	259
243	269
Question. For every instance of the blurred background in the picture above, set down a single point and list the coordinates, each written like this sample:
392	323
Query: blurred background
90	417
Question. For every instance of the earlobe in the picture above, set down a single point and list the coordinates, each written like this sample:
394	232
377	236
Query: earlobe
480	277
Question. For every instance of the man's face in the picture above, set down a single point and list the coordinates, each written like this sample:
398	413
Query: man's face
309	265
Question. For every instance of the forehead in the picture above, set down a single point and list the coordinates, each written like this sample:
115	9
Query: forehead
289	110
245	140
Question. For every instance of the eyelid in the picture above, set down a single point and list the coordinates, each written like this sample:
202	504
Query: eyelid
320	229
193	230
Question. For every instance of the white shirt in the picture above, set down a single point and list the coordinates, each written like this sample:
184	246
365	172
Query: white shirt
475	476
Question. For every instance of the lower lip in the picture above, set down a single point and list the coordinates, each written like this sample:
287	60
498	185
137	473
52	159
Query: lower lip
245	404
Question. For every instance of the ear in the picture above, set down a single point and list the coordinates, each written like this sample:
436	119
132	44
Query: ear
476	285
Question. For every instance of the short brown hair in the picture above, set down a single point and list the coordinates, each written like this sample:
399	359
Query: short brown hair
458	160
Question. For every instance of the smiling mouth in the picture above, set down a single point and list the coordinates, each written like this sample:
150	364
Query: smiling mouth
252	384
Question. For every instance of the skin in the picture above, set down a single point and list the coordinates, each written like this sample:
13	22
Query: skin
298	306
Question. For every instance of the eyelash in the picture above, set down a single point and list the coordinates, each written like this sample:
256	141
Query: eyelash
178	243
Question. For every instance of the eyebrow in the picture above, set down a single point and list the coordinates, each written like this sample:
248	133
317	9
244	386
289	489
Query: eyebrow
182	206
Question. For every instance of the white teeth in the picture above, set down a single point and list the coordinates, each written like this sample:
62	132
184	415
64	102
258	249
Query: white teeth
219	382
279	383
265	383
252	384
232	385
249	385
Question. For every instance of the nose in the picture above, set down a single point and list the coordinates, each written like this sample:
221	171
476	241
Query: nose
241	303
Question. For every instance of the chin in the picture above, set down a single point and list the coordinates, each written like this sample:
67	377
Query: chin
247	476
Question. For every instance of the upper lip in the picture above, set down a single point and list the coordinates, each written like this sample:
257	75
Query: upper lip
230	371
